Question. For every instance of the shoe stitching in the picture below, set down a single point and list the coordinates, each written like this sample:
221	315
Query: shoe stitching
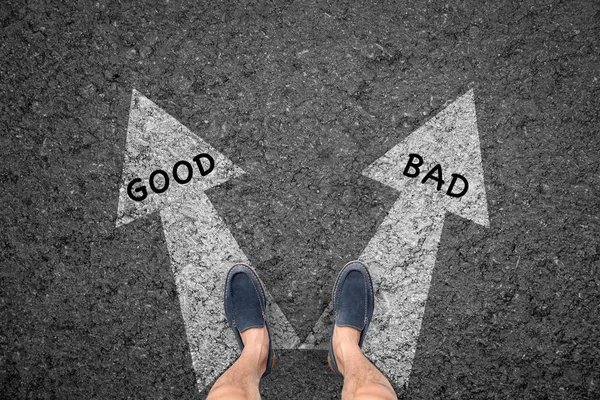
258	293
368	288
340	282
232	307
227	295
366	304
260	300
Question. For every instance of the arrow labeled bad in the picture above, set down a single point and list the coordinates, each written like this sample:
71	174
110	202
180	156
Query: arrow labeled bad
437	169
201	247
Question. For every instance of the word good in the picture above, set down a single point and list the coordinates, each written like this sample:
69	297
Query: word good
140	193
434	174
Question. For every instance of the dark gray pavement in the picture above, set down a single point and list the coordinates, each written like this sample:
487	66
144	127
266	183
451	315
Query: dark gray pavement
303	97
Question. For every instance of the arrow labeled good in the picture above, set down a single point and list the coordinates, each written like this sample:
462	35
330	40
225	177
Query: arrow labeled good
201	247
401	255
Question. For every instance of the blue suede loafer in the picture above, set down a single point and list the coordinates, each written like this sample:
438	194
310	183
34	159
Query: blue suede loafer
246	305
353	303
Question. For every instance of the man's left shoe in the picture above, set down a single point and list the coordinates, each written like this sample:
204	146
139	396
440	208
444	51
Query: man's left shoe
246	305
353	304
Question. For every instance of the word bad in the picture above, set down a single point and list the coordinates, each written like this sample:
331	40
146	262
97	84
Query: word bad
434	174
140	193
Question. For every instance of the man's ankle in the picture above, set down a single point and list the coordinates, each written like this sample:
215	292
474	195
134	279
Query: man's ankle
344	352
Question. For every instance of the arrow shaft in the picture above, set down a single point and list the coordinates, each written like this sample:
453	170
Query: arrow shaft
202	250
401	257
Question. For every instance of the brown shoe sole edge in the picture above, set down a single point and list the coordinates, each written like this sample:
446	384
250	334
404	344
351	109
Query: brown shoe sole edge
329	363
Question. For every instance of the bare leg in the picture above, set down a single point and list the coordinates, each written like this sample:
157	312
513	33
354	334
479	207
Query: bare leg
362	380
240	381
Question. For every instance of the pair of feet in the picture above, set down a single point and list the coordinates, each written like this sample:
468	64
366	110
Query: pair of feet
245	308
345	342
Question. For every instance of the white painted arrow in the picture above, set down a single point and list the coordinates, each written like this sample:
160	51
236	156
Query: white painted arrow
201	247
401	255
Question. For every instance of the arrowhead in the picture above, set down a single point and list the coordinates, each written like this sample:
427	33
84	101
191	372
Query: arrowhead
156	140
450	139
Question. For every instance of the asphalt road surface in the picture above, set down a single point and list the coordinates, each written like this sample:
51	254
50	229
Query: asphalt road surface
303	97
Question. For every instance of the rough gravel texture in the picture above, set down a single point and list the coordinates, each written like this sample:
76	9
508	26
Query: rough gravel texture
303	96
